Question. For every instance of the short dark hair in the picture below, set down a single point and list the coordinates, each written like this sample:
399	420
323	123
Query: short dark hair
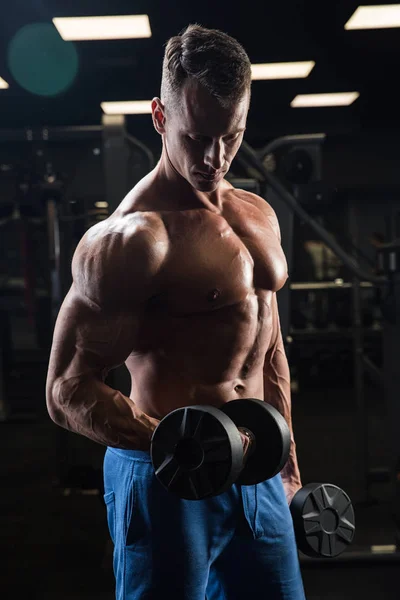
211	57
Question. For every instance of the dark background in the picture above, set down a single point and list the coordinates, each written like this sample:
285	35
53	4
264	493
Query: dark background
53	536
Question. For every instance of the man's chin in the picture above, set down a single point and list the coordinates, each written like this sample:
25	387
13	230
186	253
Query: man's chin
205	185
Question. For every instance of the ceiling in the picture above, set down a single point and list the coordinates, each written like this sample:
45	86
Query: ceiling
286	30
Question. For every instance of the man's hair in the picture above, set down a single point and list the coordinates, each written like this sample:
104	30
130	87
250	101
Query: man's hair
213	58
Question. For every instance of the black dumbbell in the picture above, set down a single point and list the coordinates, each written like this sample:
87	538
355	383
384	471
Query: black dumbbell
323	518
197	451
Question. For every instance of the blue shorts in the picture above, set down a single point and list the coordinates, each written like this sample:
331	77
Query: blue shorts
234	546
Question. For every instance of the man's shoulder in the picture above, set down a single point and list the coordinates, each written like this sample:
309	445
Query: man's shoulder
254	200
123	231
119	255
261	204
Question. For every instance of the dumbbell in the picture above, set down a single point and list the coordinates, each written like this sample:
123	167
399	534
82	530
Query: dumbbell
197	451
323	519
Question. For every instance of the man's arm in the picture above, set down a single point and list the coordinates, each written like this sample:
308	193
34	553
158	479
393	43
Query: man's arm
277	393
96	330
276	369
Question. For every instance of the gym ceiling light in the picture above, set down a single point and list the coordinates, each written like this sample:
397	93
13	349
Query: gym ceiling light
319	100
103	28
138	107
288	70
375	17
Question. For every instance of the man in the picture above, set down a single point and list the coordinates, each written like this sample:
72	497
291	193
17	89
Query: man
180	285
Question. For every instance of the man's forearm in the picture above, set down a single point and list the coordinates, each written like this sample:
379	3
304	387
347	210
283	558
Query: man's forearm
290	472
277	393
100	413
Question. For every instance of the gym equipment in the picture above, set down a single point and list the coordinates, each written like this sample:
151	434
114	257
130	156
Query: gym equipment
197	451
270	448
323	518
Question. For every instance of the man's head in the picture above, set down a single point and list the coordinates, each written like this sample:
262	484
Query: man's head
205	96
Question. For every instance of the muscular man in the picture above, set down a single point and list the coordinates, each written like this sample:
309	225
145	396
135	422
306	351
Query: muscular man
180	283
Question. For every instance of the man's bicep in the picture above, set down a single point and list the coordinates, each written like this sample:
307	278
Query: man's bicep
88	340
114	274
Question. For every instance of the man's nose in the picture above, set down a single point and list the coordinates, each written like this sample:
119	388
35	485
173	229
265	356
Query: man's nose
214	155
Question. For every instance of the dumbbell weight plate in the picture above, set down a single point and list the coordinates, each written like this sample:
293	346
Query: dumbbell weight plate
323	518
197	452
272	436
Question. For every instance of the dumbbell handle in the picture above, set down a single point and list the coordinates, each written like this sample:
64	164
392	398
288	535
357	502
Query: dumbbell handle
250	446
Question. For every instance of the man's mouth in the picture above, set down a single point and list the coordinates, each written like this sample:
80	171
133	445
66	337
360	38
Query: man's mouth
209	177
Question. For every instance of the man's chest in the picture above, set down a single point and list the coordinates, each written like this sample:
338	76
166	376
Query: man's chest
218	260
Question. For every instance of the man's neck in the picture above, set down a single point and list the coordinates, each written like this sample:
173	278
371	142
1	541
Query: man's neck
168	176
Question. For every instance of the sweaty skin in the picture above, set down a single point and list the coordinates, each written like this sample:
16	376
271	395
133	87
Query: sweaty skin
179	283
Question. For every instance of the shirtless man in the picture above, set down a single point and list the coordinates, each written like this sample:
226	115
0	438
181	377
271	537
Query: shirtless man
180	283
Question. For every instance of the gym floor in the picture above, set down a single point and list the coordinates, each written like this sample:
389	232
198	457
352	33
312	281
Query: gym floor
55	542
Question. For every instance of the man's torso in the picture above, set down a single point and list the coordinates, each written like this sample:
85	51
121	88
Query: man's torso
203	337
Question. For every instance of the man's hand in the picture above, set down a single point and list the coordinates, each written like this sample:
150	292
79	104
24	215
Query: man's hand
247	440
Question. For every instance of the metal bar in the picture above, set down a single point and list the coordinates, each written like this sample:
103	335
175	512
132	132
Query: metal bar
86	132
50	133
291	201
328	285
75	129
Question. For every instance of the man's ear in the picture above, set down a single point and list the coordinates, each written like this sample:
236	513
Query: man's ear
157	111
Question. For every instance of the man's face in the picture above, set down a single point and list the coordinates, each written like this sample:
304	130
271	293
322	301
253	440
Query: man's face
202	138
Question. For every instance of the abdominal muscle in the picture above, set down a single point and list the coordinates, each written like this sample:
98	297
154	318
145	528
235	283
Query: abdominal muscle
166	393
203	359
